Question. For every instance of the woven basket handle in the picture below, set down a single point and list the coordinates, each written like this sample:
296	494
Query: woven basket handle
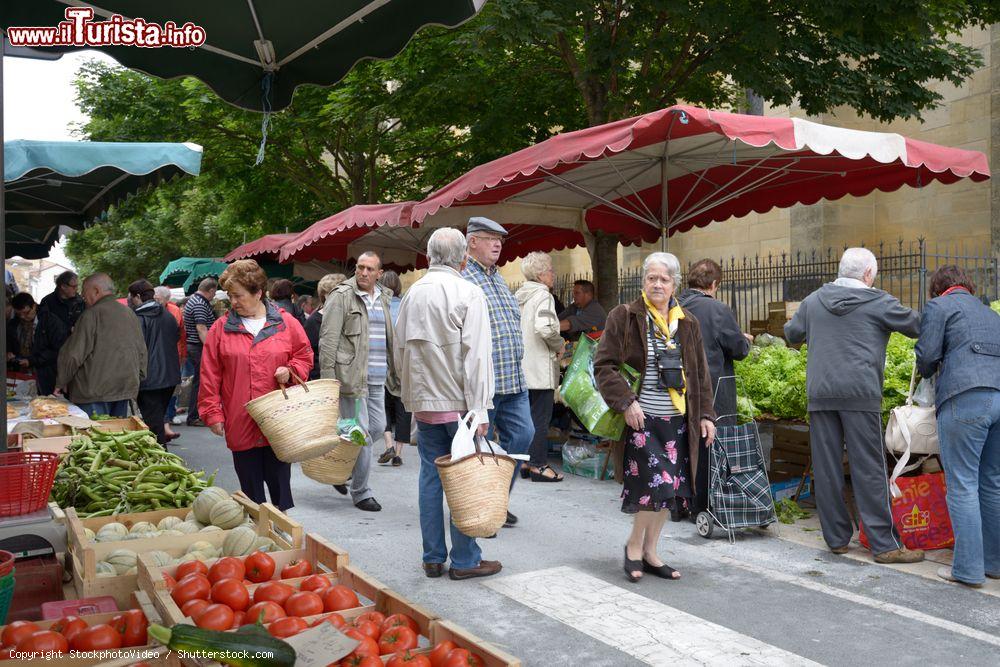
295	377
479	450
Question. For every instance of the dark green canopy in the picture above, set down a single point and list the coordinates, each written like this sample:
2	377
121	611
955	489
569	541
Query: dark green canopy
177	271
257	46
206	268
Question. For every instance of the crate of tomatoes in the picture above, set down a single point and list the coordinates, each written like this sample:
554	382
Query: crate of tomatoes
291	591
71	639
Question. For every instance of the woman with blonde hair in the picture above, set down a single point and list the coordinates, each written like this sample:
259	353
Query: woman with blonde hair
314	322
673	407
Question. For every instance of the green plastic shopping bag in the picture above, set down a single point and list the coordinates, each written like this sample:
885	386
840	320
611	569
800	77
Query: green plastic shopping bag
579	392
349	428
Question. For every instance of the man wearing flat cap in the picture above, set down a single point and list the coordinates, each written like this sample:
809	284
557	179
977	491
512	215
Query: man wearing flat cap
511	413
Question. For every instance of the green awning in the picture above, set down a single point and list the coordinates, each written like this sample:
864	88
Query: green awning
207	268
178	270
258	46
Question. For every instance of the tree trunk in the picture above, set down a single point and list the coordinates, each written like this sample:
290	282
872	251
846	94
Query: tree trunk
605	264
755	103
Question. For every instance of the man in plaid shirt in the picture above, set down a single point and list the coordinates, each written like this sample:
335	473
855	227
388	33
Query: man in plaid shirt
511	413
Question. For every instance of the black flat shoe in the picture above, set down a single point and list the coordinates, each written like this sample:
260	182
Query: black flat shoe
341	489
663	572
368	505
540	476
631	566
511	520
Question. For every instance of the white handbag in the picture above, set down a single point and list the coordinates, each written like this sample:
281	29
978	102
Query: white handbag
912	429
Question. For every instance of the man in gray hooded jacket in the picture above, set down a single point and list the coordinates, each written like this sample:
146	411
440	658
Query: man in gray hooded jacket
847	324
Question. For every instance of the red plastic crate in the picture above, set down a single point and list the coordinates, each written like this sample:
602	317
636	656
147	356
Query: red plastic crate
95	605
26	481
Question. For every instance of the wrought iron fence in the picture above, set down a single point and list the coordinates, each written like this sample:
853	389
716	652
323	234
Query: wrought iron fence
749	284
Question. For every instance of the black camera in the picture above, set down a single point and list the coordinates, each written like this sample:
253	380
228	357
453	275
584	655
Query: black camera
669	368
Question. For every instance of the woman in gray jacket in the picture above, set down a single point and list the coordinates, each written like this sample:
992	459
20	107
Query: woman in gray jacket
960	341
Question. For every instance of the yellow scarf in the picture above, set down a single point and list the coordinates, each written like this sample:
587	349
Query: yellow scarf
667	327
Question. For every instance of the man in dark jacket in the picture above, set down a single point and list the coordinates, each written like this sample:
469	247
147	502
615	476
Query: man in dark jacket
57	315
847	324
159	330
724	343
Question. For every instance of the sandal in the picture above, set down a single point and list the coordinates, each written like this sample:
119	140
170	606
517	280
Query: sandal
663	571
633	566
540	476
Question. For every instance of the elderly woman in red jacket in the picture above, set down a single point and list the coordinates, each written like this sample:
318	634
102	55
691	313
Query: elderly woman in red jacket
246	355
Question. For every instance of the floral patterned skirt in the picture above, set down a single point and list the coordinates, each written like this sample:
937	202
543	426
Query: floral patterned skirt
657	465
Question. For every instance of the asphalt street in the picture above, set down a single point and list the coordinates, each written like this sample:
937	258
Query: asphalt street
562	597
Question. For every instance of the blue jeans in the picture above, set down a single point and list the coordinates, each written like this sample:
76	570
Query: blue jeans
511	416
110	408
969	432
435	441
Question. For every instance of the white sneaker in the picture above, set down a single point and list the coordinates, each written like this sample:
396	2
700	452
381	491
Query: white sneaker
178	420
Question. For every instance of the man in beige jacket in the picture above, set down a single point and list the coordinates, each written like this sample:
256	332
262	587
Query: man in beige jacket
104	359
542	348
443	354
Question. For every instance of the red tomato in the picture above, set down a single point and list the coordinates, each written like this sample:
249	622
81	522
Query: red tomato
259	567
194	607
400	619
353	660
131	625
215	617
192	587
226	568
190	567
368	629
272	611
316	583
407	659
17	631
69	626
399	638
440	652
169	581
339	597
97	638
460	657
231	592
239	618
336	620
376	617
296	568
273	591
5	654
287	627
304	603
43	641
368	646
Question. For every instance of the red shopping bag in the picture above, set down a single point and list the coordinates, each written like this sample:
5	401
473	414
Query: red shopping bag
921	513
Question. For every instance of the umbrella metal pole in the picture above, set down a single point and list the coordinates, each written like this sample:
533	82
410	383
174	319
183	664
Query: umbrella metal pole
664	213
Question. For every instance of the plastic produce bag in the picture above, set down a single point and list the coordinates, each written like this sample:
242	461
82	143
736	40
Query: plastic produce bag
924	393
350	429
579	391
464	442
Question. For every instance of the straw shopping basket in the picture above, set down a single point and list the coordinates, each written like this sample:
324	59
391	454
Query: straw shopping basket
334	467
477	488
300	422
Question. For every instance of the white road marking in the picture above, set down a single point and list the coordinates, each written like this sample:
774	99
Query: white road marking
899	610
646	629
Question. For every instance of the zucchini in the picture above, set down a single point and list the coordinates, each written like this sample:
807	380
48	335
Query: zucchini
243	646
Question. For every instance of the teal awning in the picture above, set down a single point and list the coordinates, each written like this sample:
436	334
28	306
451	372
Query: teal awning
178	270
49	184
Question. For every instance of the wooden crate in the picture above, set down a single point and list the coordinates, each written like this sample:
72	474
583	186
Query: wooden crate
140	600
492	656
84	553
790	454
758	327
114	425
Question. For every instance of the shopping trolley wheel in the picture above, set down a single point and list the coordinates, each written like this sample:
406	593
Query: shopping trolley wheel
705	524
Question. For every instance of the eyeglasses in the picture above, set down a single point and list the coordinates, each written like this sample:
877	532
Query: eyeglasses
491	239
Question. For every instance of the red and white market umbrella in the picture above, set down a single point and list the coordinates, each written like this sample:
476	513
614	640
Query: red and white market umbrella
264	248
706	165
347	234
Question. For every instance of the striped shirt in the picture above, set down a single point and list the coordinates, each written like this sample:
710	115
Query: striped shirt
655	402
505	325
197	311
378	355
